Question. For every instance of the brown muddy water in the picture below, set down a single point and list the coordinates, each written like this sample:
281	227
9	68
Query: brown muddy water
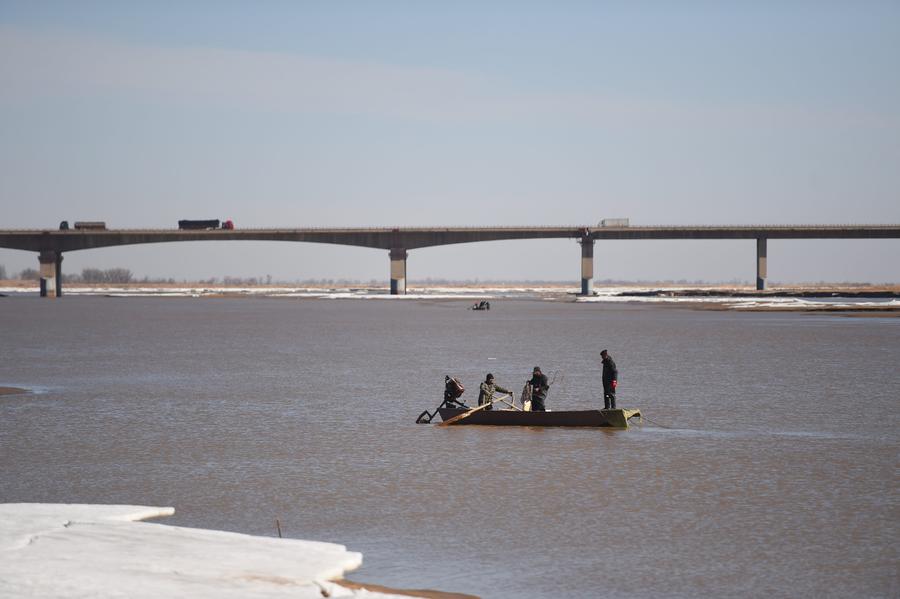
778	476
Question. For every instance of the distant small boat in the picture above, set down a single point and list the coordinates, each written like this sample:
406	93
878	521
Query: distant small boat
574	418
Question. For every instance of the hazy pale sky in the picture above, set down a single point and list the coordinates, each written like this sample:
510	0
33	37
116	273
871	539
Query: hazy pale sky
288	114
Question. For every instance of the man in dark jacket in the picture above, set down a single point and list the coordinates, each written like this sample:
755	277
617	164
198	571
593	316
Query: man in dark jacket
610	380
539	388
487	389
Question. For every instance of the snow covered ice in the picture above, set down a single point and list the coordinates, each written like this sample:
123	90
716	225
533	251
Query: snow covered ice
67	551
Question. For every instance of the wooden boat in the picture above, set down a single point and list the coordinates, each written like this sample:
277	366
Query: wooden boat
582	418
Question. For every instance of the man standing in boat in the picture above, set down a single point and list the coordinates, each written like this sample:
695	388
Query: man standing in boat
610	380
488	388
539	388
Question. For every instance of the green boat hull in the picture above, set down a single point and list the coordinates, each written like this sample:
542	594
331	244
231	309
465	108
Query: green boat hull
618	418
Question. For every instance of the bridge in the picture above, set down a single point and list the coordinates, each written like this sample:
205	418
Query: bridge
50	244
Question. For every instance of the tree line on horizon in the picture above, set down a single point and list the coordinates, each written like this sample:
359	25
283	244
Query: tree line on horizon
88	275
124	275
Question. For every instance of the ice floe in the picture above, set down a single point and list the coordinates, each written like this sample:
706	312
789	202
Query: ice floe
71	550
736	302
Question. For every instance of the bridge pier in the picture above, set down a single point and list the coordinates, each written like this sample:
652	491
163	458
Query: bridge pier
398	271
51	273
587	265
761	258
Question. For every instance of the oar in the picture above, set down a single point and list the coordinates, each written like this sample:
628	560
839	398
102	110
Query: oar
512	405
459	417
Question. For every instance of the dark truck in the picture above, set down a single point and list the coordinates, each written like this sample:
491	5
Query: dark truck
204	224
81	225
93	225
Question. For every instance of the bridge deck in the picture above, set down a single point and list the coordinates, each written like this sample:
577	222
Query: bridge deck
418	237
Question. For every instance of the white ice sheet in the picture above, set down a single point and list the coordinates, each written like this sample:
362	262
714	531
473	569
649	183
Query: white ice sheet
69	551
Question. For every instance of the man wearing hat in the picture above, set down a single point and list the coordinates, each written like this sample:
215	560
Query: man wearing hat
487	390
610	380
539	388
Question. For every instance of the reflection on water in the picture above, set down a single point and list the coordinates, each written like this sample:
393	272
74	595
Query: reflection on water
777	475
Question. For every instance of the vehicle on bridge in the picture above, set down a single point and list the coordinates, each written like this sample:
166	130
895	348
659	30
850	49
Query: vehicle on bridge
93	225
614	222
204	224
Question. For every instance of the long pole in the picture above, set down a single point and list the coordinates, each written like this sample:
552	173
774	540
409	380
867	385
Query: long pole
464	415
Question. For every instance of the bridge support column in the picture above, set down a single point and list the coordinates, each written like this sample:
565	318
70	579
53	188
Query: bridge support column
51	273
587	265
398	271
761	258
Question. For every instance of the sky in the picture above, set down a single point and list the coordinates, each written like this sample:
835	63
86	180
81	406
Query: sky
295	114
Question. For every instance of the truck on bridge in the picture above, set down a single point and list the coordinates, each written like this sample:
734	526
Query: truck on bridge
205	224
86	225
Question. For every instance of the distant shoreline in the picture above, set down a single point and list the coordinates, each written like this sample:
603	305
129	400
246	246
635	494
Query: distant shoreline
686	288
850	299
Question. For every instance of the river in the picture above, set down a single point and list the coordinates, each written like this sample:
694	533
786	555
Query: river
768	466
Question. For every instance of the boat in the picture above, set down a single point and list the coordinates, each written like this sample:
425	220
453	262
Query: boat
452	411
617	418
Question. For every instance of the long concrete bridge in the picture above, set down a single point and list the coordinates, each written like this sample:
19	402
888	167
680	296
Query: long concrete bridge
51	244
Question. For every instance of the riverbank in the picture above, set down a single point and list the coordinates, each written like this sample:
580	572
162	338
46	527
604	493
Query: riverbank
845	299
624	289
